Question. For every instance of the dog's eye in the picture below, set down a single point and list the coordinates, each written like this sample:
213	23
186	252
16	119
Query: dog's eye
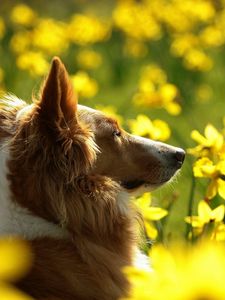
117	133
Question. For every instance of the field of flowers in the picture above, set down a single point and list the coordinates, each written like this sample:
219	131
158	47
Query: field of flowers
158	66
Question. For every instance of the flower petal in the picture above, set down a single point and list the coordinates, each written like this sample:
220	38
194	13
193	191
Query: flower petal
221	188
212	189
194	221
197	137
151	230
204	211
218	213
155	213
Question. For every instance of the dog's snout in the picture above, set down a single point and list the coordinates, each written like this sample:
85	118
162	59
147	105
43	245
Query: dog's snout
180	155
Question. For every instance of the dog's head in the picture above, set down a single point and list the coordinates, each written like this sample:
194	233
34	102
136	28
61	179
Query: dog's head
55	142
133	161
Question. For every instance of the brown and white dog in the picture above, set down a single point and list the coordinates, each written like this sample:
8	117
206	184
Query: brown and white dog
65	178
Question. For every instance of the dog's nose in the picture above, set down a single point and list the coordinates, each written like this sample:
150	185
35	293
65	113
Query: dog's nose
180	155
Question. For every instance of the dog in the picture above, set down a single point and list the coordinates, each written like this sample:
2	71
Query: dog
67	172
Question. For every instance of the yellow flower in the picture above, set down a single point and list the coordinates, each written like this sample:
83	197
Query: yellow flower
183	43
155	91
203	10
84	85
196	59
211	143
84	30
212	36
156	130
152	73
169	92
15	261
136	20
219	232
21	41
23	15
2	28
149	214
173	268
206	215
50	36
34	62
89	59
205	266
10	293
204	167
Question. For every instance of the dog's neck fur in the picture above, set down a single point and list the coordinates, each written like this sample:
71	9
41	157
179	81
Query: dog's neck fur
16	220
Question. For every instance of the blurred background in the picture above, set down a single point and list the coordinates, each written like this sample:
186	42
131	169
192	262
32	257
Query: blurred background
157	65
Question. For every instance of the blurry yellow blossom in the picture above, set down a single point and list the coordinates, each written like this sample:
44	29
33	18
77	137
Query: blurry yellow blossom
204	167
23	15
34	62
2	28
200	26
155	91
168	93
211	143
111	112
181	44
84	29
172	15
219	232
154	74
15	262
187	14
203	263
15	259
202	10
204	284
156	129
197	60
135	48
21	41
136	20
89	59
212	36
50	36
10	293
84	85
149	213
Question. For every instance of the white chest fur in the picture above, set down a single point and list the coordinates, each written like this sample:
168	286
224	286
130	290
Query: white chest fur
16	220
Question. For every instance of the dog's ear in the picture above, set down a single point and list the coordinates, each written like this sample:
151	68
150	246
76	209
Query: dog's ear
56	114
58	101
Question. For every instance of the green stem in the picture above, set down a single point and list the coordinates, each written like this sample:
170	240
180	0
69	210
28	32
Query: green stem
190	206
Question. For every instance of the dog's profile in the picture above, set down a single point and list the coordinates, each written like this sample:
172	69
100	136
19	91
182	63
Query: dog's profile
66	175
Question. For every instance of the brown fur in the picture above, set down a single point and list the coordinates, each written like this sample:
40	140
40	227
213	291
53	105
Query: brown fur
67	166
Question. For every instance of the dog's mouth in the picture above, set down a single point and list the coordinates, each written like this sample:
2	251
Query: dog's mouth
134	184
